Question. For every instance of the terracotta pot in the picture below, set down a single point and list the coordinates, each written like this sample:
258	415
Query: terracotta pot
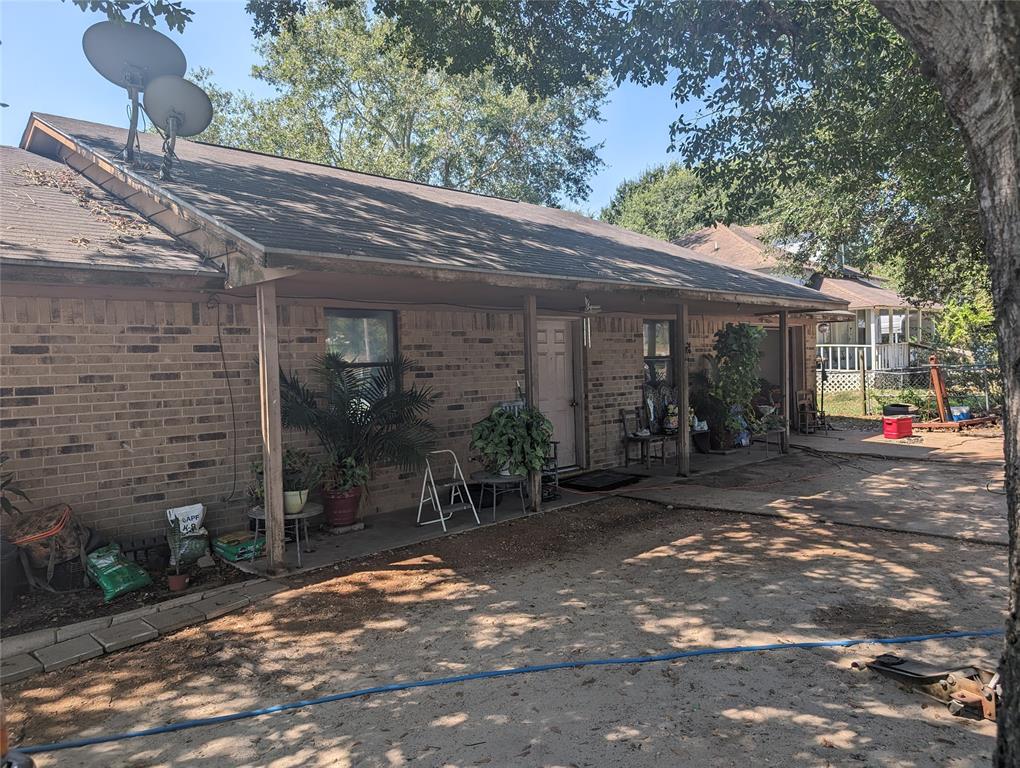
294	501
341	507
177	581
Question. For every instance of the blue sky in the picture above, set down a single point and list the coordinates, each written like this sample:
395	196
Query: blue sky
44	69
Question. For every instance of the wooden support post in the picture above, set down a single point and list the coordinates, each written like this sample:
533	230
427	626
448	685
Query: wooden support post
784	351
531	385
269	405
681	381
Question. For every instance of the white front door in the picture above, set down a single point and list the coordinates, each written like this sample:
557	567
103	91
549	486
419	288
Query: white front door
556	384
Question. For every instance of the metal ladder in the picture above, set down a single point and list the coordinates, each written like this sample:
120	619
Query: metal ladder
460	496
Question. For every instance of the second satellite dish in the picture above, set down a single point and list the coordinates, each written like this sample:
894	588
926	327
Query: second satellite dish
178	108
170	98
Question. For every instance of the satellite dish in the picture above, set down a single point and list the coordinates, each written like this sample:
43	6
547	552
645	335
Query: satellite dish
131	56
179	108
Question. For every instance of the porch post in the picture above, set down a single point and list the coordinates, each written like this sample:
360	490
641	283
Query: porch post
531	386
784	351
269	407
680	379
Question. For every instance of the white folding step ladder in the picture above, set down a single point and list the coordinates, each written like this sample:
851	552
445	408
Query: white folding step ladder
460	496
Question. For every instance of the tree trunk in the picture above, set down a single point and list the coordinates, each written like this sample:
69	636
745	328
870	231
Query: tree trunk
972	51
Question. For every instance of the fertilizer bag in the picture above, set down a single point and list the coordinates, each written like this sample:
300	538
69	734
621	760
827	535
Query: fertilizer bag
194	540
114	573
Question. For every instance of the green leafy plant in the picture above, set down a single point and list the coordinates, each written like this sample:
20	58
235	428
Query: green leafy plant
723	395
9	489
341	476
360	418
514	442
175	540
300	470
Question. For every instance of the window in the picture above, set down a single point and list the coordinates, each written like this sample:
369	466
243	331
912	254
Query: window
366	339
658	363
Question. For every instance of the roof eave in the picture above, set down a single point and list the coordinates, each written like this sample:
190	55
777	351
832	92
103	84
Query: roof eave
295	259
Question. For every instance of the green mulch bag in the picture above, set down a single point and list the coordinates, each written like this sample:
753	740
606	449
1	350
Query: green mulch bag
114	573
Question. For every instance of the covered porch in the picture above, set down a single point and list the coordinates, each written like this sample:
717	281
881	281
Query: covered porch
572	348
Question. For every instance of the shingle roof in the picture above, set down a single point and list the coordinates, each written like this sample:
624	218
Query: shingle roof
860	294
53	216
733	245
288	205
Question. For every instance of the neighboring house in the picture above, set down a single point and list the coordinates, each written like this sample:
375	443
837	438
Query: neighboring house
133	312
889	332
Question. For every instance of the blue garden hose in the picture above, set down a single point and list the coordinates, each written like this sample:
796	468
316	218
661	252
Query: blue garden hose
203	721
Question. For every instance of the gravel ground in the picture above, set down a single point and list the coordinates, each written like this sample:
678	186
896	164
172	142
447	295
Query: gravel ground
611	578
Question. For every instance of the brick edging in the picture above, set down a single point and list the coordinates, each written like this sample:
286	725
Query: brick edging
46	650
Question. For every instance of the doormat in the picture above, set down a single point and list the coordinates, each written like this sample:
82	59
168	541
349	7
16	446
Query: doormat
602	480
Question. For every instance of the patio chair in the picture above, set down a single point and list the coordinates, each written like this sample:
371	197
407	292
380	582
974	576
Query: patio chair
634	434
809	418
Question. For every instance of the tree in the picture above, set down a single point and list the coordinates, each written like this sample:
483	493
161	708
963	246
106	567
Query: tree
669	201
347	98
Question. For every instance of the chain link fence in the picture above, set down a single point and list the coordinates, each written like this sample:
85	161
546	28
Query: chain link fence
853	393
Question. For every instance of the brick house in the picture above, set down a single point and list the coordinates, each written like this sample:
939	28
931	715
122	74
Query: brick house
135	313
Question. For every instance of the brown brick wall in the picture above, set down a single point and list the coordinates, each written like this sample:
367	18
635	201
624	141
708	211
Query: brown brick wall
121	407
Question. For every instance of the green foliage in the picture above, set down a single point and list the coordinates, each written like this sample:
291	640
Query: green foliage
8	488
922	399
965	331
341	476
737	350
358	417
144	12
300	470
347	97
518	442
664	202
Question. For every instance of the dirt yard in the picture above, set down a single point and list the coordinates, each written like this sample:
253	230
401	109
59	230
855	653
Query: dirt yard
612	578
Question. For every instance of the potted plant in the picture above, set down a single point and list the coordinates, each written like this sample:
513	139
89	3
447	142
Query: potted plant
300	473
362	418
513	443
8	488
723	395
177	581
341	486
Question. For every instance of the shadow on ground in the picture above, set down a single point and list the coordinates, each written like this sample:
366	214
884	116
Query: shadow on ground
612	578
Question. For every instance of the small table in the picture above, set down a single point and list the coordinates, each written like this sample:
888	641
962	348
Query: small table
779	439
299	521
500	484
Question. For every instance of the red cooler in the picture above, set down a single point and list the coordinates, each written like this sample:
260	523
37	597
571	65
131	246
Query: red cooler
895	427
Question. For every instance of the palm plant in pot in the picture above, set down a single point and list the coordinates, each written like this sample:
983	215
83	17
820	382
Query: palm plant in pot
362	418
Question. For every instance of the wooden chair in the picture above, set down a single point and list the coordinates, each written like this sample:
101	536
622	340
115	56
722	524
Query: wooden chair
631	420
809	418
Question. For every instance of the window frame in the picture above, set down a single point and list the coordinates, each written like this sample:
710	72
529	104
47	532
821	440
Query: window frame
656	358
347	312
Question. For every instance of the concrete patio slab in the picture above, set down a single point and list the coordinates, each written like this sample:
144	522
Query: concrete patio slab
68	652
956	500
14	668
173	619
979	445
124	635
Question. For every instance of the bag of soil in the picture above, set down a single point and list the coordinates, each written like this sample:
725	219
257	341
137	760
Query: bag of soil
187	539
114	573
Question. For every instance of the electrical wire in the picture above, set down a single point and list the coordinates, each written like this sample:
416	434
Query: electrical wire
214	303
499	673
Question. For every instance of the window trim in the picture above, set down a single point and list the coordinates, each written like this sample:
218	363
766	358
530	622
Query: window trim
329	312
646	358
